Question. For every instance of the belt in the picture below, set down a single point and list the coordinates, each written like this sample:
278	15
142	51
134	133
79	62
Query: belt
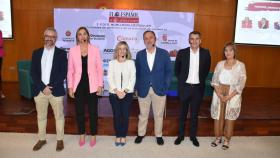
192	85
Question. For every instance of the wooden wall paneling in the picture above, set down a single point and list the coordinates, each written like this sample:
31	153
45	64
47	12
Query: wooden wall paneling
33	4
215	20
216	31
261	64
28	28
217	7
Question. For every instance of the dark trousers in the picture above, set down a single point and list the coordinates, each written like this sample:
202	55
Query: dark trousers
192	99
83	97
1	61
121	108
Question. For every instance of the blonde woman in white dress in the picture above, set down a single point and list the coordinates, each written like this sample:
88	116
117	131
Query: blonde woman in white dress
228	81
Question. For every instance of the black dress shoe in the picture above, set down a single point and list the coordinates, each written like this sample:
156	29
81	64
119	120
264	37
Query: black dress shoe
138	139
160	141
179	139
194	141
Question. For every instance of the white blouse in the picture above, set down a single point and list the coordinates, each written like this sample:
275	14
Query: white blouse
121	75
237	83
225	76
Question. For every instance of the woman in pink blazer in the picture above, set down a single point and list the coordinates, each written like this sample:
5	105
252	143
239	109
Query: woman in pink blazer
85	82
2	96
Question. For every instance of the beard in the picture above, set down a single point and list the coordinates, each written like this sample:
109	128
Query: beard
49	43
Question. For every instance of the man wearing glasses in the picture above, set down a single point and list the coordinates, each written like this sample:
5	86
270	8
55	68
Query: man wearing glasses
48	72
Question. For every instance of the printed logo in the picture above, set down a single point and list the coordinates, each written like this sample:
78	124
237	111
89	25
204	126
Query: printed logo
123	17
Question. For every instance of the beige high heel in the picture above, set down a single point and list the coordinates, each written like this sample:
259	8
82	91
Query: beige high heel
225	145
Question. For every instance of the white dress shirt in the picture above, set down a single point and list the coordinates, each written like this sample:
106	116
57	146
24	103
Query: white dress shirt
193	77
46	65
151	58
121	75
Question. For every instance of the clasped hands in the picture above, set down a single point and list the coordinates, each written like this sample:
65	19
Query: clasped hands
120	94
224	98
47	90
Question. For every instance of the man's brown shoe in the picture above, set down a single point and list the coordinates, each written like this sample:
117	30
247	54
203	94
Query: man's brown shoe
39	145
59	145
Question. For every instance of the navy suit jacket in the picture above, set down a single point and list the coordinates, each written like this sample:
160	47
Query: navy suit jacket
182	65
58	72
160	76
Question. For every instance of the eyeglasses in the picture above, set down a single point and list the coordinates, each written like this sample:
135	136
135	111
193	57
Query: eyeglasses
47	36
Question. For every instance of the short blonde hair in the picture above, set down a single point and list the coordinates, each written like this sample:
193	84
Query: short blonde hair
128	54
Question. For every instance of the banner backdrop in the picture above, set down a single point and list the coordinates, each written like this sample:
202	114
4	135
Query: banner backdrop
108	27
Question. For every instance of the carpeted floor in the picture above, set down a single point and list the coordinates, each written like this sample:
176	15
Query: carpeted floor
19	145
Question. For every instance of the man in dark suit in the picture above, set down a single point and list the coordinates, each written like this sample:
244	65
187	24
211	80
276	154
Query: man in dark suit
48	72
191	68
153	75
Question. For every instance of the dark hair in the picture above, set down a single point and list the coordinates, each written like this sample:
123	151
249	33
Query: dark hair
195	33
233	47
148	32
82	28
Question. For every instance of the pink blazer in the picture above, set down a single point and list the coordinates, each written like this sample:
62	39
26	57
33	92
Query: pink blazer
95	70
1	45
